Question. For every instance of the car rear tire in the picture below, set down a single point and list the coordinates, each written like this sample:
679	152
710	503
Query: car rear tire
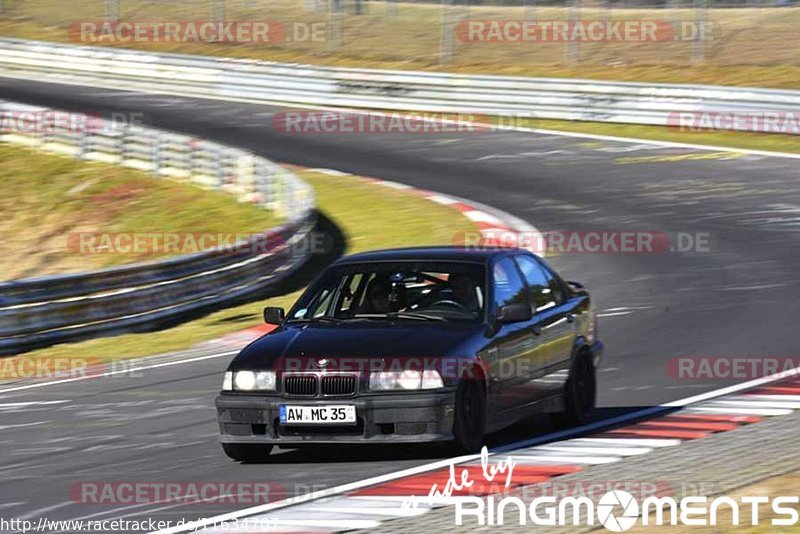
580	394
469	425
246	452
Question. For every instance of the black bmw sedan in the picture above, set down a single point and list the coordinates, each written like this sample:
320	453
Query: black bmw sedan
414	345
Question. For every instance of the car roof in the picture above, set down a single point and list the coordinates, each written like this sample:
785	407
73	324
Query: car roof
455	253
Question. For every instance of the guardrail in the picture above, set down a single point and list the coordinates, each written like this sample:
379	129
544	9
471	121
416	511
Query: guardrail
291	84
40	311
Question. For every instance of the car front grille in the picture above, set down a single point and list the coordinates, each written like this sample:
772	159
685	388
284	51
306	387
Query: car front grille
300	385
316	384
339	385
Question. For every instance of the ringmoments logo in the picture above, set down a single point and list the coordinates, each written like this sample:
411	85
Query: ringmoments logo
617	510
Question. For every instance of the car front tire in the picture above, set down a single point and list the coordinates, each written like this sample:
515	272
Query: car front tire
469	426
580	394
246	452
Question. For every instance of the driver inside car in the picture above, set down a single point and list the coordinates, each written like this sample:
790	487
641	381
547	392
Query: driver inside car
382	297
464	291
377	297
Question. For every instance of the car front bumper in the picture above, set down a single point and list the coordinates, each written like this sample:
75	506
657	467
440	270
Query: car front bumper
390	417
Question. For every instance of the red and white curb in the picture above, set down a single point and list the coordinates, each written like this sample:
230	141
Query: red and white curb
490	221
369	503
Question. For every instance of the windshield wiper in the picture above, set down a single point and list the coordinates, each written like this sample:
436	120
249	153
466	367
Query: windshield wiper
400	315
415	315
320	319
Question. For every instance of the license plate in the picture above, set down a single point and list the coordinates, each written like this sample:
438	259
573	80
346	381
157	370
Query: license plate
317	415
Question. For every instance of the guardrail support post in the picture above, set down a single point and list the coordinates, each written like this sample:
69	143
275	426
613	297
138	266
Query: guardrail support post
529	9
699	45
447	45
220	167
122	143
112	10
156	154
217	10
335	16
573	50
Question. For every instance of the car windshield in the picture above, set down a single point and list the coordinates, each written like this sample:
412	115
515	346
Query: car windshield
413	291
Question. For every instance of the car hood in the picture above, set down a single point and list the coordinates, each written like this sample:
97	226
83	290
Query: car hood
301	343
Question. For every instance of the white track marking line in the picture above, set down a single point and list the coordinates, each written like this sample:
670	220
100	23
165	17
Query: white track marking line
736	388
336	524
330	172
732	410
480	216
644	442
323	511
442	199
756	404
120	371
791	398
394	185
610	451
360	506
30	403
538	457
22	425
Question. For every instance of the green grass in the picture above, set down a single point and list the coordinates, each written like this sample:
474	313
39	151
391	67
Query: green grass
47	200
749	47
371	217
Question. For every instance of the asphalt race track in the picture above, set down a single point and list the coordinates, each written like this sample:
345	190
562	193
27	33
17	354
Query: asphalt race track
741	297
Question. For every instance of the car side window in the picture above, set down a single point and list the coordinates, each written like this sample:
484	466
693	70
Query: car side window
540	284
507	285
556	285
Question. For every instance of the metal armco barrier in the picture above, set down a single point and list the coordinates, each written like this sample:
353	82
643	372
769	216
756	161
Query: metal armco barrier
40	311
291	84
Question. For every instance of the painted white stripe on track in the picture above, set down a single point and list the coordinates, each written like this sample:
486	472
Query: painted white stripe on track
394	185
332	524
30	403
330	172
119	372
358	508
757	404
610	451
643	442
539	456
733	410
776	397
481	216
442	199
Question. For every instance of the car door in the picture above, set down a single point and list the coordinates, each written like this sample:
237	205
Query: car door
512	348
553	324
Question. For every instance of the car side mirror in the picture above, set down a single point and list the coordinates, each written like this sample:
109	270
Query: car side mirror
514	313
273	315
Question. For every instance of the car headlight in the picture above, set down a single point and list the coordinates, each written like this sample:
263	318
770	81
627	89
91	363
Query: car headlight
404	380
265	380
249	381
